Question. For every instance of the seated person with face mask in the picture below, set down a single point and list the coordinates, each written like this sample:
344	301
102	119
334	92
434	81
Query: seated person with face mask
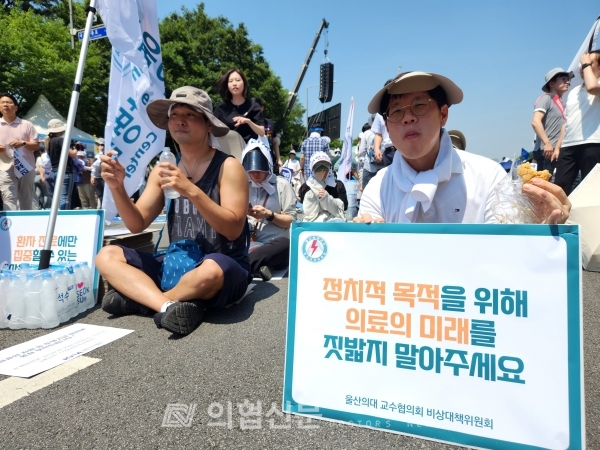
271	211
319	195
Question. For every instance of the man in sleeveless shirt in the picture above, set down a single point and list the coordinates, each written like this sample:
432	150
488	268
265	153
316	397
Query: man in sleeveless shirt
211	209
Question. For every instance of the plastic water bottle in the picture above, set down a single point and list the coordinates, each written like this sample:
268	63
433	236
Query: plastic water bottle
24	269
4	282
87	274
72	309
33	287
168	156
16	303
48	306
62	294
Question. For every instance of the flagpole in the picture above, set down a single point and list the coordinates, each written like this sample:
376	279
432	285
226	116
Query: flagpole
46	253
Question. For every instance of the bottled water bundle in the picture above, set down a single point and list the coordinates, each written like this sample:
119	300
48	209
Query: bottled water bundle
31	298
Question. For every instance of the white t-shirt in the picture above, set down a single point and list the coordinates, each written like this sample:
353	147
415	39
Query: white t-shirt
465	198
292	164
583	117
378	127
43	161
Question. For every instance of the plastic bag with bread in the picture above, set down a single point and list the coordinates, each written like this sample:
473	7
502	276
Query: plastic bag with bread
509	203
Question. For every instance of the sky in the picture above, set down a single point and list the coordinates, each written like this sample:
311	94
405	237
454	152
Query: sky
497	52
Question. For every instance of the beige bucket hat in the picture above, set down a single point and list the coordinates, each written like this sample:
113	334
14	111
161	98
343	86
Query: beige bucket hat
198	99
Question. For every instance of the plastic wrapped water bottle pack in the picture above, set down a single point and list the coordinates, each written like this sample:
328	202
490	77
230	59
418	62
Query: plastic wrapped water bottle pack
31	298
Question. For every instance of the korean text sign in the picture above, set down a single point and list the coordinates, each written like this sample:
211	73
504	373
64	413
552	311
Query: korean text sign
77	238
469	334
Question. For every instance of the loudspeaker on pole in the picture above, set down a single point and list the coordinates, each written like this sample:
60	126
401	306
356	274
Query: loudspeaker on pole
326	83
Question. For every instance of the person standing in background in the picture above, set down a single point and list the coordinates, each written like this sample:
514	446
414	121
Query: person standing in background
85	187
580	149
549	119
43	187
16	133
237	111
96	173
312	144
54	142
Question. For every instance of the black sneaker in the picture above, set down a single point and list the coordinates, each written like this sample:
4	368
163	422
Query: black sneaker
181	317
265	273
119	305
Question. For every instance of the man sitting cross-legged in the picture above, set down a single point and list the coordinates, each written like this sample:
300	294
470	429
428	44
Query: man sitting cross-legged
211	209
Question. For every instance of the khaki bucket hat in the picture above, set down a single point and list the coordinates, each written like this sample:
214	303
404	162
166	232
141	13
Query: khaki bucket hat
415	82
198	99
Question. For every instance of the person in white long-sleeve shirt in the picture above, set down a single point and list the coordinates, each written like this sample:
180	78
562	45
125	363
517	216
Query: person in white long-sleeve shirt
319	195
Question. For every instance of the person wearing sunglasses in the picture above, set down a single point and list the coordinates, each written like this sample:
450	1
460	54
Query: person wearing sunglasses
429	181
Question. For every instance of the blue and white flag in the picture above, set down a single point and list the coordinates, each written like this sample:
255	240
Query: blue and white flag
136	78
346	158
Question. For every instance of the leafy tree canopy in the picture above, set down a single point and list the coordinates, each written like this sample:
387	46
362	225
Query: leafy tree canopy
36	58
198	49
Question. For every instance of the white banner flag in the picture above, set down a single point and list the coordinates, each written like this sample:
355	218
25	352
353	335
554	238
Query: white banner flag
346	158
136	78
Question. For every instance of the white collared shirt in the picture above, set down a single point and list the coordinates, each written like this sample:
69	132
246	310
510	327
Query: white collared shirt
465	198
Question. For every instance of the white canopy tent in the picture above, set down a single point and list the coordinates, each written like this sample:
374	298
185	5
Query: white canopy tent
42	111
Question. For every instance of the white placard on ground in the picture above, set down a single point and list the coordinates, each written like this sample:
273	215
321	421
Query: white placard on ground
469	334
45	352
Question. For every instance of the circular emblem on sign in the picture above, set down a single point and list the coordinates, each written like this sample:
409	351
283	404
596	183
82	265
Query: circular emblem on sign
5	223
314	248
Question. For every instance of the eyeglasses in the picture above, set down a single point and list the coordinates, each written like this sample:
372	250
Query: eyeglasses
418	107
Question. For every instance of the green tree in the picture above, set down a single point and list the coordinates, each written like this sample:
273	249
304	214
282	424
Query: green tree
198	49
41	61
335	144
44	7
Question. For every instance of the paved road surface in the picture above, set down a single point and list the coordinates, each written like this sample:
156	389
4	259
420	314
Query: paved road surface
236	354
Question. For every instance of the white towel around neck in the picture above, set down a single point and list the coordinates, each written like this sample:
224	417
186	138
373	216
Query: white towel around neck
420	187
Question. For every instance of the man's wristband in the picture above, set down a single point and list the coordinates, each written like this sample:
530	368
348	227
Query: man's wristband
583	66
23	144
271	217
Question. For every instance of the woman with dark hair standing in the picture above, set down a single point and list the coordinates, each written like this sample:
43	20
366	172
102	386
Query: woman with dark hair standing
237	111
53	143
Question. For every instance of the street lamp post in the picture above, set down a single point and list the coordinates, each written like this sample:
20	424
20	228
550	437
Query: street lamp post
314	85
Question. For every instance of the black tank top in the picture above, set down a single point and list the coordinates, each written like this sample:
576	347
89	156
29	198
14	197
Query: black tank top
186	222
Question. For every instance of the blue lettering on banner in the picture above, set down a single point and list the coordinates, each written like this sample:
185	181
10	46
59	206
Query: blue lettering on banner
151	47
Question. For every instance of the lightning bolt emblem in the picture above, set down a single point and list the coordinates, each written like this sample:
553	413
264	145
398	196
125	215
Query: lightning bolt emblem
314	247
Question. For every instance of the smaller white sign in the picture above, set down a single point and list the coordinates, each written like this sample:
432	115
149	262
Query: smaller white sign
46	352
22	167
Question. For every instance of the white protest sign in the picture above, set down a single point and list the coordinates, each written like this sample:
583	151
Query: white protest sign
469	334
45	352
22	167
77	237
